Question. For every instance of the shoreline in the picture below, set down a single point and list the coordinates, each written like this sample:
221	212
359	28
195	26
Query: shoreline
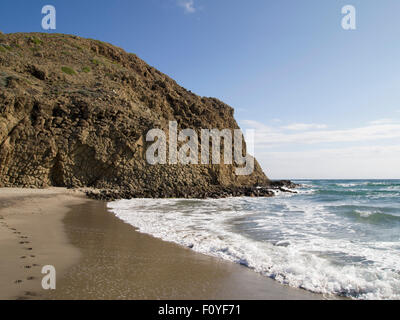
98	256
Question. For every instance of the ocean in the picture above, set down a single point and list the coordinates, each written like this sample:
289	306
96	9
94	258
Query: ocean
338	237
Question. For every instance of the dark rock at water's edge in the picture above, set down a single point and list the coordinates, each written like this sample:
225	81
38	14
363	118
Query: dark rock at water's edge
283	184
214	192
74	113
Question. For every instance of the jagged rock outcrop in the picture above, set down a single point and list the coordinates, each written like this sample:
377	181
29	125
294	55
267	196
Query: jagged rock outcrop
74	112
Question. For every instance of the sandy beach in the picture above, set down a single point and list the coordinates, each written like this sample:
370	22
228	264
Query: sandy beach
97	256
31	236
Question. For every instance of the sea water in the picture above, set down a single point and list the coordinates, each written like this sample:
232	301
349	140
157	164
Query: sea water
332	237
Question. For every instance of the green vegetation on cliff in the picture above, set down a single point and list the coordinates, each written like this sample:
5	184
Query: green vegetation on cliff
88	129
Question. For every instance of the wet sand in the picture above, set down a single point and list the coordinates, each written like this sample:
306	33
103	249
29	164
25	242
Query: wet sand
97	256
32	236
121	263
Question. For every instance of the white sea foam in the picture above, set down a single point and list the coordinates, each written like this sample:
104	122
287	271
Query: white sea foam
347	185
366	213
294	242
363	183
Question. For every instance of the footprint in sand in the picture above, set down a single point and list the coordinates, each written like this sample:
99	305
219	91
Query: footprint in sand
30	294
29	249
23	257
30	278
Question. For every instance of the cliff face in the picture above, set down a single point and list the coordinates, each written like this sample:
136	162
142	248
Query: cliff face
75	112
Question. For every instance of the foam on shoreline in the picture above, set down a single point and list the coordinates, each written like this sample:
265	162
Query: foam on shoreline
288	241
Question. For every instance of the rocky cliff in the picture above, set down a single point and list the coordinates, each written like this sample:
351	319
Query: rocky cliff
74	112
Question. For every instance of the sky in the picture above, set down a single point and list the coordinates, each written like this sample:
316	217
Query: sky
324	101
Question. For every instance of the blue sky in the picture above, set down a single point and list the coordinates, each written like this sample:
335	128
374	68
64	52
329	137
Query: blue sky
325	102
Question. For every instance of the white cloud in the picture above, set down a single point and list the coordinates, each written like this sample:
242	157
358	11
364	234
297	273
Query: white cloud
368	151
375	161
187	5
304	126
383	121
266	136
